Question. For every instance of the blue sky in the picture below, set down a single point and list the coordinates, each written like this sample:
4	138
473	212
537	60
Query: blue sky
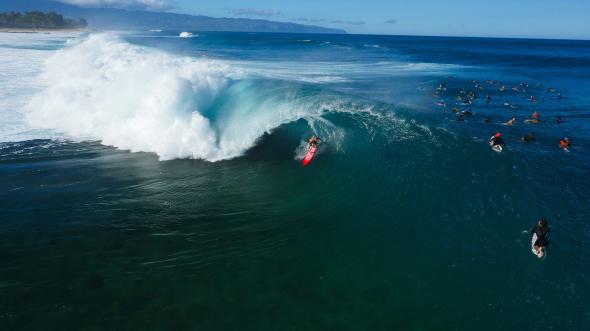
504	18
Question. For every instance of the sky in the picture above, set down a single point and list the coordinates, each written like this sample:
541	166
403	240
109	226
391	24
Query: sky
499	18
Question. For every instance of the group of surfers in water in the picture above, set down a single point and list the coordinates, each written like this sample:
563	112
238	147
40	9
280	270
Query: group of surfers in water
468	97
540	232
496	139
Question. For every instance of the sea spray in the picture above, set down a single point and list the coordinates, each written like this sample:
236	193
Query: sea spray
130	97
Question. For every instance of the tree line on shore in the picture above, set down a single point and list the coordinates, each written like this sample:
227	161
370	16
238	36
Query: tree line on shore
39	20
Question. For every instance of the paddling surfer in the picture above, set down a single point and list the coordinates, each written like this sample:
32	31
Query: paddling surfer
496	140
540	237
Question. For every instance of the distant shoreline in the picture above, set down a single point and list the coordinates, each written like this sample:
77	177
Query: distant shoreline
40	31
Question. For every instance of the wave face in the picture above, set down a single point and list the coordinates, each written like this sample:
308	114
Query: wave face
140	99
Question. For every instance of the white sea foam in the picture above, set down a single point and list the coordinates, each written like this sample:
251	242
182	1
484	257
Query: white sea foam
21	59
186	35
130	98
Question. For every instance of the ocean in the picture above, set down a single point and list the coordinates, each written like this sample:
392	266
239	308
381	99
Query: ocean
152	180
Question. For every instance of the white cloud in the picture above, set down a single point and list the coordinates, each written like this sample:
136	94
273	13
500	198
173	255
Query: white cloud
255	12
323	20
124	4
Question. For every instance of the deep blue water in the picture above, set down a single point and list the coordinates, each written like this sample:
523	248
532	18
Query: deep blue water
155	182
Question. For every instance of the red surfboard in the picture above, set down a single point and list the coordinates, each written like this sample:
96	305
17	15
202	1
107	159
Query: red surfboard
309	155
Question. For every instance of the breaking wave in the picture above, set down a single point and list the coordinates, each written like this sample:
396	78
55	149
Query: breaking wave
140	99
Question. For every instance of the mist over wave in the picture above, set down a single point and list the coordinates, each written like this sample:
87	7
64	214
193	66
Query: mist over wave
140	99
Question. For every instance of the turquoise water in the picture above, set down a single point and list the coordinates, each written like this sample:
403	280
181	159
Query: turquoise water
195	212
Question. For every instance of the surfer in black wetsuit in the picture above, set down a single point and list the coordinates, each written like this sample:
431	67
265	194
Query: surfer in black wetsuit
467	112
529	138
496	140
542	233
